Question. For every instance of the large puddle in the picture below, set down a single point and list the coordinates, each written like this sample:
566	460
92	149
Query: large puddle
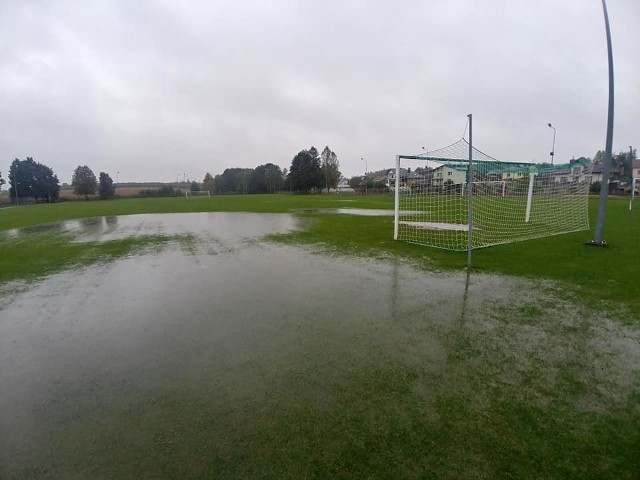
225	226
202	347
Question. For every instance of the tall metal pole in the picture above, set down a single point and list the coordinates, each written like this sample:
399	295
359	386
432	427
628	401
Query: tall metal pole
553	145
630	164
365	174
470	195
604	189
15	184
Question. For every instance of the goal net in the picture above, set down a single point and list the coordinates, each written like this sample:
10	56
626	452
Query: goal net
197	193
510	201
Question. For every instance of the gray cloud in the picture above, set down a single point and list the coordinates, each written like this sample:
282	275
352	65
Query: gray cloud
154	89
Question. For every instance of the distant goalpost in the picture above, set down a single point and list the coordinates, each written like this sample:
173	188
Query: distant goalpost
197	193
462	199
635	182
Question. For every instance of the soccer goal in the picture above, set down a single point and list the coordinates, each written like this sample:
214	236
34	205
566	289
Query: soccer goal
460	198
197	193
635	185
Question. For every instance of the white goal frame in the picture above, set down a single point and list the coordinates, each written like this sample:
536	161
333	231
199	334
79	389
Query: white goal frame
634	181
197	193
460	204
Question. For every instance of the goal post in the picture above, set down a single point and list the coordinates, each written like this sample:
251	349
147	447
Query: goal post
635	184
197	193
459	198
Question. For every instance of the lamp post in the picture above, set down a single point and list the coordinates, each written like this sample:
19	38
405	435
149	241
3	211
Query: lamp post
553	146
365	174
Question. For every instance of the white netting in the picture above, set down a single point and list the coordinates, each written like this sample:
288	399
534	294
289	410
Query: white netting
510	201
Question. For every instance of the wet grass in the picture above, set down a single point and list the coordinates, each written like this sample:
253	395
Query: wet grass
499	405
600	277
524	391
44	253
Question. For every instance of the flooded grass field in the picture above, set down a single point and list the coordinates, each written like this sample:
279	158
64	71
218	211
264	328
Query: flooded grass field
221	355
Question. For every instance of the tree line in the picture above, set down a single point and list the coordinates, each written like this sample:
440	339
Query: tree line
31	179
309	172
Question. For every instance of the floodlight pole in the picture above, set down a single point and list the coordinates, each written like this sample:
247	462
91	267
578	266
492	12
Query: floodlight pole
553	145
365	174
470	194
604	188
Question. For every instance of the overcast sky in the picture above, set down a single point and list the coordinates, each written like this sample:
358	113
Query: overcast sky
160	90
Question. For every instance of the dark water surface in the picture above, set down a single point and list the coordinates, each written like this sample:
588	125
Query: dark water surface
222	342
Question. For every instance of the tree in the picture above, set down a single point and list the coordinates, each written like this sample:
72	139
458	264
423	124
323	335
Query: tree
624	161
84	181
305	172
330	168
106	189
194	187
2	182
266	178
233	180
208	183
30	179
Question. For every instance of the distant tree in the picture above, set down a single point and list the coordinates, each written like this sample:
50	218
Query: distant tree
266	178
233	180
305	173
106	189
330	168
2	182
598	157
84	181
356	181
208	183
28	178
624	161
194	187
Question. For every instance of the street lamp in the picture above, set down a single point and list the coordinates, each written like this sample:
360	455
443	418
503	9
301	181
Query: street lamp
553	146
365	174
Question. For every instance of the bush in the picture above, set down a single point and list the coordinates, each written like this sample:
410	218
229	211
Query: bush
166	191
595	187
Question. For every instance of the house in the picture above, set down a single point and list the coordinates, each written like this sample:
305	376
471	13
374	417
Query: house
596	172
343	187
635	169
449	175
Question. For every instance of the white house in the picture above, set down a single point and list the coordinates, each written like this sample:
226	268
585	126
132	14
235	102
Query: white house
635	168
444	173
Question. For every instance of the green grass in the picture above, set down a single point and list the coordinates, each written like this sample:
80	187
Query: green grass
598	276
491	409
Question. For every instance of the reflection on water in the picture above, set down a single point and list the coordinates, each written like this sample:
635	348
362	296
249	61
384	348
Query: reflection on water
224	225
